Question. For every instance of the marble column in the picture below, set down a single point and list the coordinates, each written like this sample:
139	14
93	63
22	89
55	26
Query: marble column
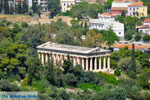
62	59
91	64
39	55
46	57
78	60
104	63
95	67
100	64
43	58
83	63
87	64
74	61
108	62
54	59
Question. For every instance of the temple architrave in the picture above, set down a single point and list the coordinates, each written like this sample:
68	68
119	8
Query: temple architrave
91	59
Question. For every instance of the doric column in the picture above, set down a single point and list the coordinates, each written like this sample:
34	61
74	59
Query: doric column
65	56
54	59
62	59
91	64
74	61
108	62
78	60
95	67
43	58
83	63
39	55
46	57
87	64
100	63
104	63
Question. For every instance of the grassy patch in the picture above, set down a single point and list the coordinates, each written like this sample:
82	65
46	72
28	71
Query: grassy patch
109	78
86	86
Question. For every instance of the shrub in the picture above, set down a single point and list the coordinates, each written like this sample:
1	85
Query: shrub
138	37
24	24
117	72
146	38
109	78
128	36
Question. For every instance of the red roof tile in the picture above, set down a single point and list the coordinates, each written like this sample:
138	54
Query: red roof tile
147	21
136	4
129	46
107	14
119	8
116	12
92	0
124	0
19	0
143	26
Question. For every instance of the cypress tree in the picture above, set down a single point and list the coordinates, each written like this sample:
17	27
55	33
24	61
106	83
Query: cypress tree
133	61
11	10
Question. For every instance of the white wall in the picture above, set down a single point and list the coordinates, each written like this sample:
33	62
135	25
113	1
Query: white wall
120	4
146	24
117	27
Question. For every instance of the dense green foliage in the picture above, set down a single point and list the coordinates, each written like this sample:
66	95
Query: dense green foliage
146	38
138	37
54	7
20	69
84	9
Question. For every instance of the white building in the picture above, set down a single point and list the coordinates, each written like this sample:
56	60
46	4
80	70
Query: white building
30	3
145	28
121	5
67	4
42	3
107	21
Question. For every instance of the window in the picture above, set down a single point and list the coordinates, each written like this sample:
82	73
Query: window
64	4
119	33
143	9
133	9
130	9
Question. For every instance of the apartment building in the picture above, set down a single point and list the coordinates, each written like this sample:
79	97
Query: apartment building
107	21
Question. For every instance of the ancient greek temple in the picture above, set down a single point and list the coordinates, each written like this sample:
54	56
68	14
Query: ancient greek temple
91	59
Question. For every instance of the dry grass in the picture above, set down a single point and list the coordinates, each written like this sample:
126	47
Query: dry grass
17	18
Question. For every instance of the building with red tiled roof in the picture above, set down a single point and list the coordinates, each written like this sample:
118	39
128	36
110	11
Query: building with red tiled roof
137	48
115	13
106	21
19	0
92	1
147	20
105	15
145	28
136	4
124	1
121	5
137	9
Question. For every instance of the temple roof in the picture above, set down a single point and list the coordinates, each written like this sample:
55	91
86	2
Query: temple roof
69	48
